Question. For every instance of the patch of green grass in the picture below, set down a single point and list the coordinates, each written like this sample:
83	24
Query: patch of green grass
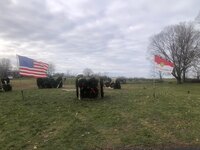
130	117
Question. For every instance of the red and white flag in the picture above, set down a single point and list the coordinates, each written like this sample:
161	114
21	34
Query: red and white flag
163	64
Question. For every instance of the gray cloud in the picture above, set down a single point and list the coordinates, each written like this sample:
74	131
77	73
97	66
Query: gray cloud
104	35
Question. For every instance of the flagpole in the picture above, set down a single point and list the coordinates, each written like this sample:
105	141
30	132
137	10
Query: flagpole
163	65
154	87
154	81
20	80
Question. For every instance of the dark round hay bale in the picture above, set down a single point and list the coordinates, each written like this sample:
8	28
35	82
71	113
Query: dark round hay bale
117	85
46	83
6	84
40	83
7	87
107	83
88	87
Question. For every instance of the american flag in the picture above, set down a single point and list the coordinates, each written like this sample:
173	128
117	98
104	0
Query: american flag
31	67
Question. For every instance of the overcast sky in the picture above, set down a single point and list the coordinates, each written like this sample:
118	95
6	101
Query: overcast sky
108	36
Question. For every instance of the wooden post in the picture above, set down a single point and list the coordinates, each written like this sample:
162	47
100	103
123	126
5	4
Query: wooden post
22	92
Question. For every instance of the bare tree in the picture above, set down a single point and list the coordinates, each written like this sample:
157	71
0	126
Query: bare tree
196	68
87	72
197	19
5	67
179	44
51	69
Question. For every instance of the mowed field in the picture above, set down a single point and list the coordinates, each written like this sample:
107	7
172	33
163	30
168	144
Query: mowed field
130	118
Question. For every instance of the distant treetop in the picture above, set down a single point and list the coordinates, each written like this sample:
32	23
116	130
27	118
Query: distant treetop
197	19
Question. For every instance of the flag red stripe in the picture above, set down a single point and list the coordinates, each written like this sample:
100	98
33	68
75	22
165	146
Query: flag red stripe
40	67
160	60
32	72
34	75
39	62
32	69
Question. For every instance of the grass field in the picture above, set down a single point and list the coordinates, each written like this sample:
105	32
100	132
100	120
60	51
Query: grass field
125	119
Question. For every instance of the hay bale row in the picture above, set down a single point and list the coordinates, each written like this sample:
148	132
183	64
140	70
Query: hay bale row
115	84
